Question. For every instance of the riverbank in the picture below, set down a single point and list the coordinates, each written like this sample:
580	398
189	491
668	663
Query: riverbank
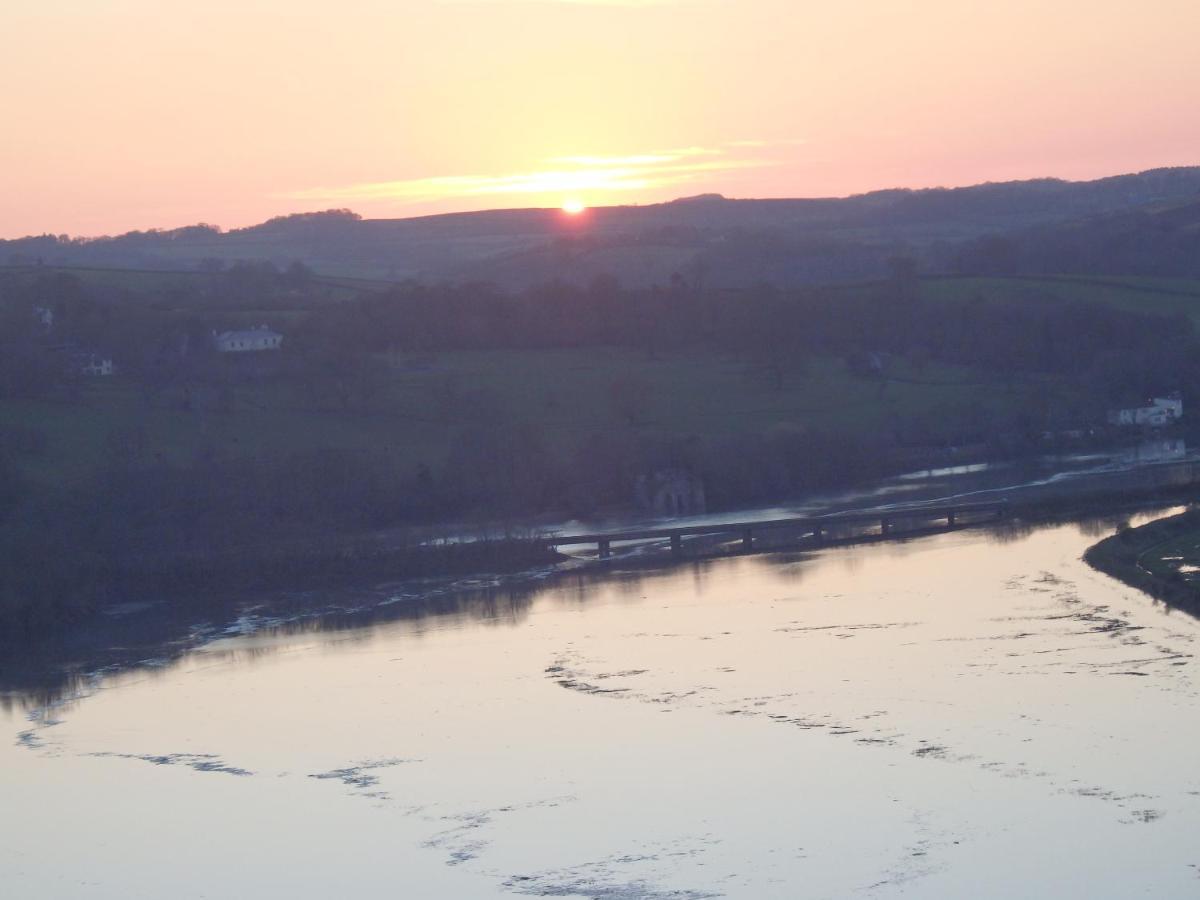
158	607
1153	559
95	584
75	587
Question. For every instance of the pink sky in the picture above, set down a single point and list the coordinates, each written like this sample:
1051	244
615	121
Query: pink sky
123	114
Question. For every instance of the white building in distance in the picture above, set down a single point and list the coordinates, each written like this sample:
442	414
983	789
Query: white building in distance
1161	411
248	340
94	364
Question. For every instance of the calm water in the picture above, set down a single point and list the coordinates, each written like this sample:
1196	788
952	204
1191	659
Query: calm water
959	716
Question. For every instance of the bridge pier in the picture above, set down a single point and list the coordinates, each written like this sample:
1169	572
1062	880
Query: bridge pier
748	541
951	519
818	533
677	544
885	526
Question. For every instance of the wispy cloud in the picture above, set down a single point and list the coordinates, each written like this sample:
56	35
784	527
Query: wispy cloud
627	3
645	159
571	175
786	142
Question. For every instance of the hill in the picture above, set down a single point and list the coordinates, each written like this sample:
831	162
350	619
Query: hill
1161	239
724	242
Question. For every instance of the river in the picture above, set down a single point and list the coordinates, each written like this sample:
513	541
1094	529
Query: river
971	714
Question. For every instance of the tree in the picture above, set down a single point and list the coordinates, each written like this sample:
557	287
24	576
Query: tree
297	276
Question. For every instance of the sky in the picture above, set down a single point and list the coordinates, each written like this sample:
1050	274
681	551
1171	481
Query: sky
133	114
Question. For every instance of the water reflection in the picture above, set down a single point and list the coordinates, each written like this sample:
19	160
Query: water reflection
964	715
1150	464
149	640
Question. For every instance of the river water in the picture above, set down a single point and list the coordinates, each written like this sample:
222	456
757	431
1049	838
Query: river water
975	714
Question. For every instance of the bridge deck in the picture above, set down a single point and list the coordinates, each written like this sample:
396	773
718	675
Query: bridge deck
814	524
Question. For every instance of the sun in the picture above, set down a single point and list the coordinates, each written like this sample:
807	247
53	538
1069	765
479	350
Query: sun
573	207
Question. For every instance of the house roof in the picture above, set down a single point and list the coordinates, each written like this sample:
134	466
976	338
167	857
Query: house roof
248	334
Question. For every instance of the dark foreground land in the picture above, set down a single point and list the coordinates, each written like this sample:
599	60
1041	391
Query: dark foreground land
1160	558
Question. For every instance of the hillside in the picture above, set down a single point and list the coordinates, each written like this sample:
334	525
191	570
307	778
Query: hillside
721	241
1156	239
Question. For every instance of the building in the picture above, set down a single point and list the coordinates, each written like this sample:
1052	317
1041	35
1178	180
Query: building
1172	403
1160	411
670	492
93	364
249	340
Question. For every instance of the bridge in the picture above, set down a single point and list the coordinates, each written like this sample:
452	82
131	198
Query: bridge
814	530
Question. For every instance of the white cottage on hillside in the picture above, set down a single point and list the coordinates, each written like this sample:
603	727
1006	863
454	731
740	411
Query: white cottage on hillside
260	338
92	364
1161	411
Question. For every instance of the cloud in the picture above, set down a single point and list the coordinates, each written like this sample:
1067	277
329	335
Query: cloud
572	175
786	142
625	3
645	159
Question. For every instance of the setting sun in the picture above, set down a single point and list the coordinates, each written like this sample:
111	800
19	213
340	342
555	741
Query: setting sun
573	207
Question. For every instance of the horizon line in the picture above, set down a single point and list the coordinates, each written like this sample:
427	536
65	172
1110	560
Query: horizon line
591	207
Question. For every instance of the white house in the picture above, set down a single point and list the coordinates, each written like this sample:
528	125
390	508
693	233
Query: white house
251	339
94	364
1161	411
1172	403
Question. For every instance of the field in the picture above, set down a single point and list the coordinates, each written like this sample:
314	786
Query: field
417	411
1158	296
161	286
416	407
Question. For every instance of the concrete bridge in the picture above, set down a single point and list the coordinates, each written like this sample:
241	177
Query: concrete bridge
807	529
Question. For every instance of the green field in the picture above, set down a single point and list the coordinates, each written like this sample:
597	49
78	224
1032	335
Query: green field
159	286
1156	296
418	408
1159	296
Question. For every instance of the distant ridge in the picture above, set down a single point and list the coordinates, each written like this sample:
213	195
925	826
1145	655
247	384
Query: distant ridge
701	198
788	241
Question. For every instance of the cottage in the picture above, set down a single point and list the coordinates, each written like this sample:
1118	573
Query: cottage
670	492
248	340
93	364
1160	411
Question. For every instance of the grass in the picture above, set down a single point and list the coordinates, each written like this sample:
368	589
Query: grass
417	413
1156	296
1156	558
1160	296
696	394
154	284
1178	555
